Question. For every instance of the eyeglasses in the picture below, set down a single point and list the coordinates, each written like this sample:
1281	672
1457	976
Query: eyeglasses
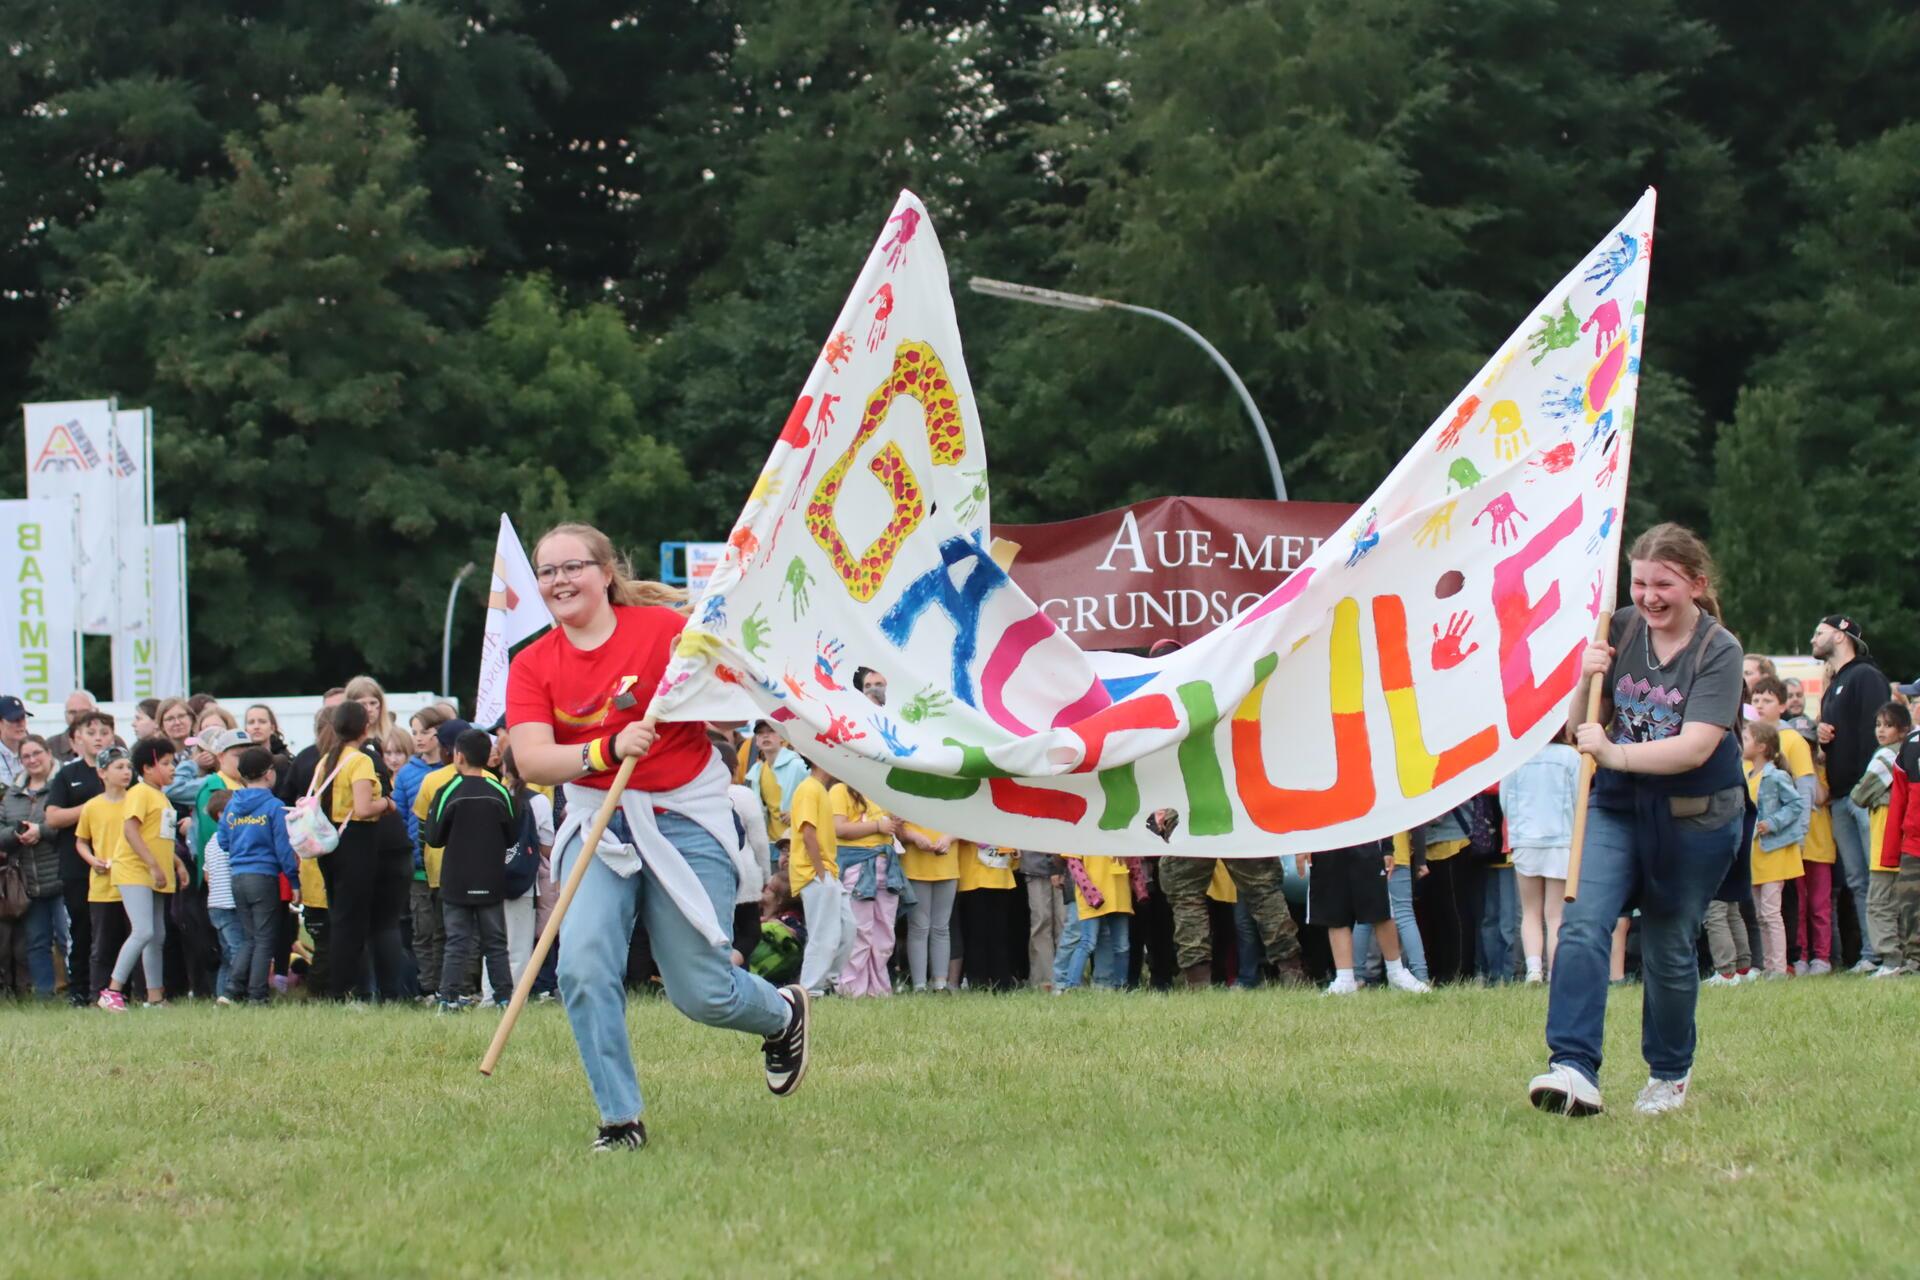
569	570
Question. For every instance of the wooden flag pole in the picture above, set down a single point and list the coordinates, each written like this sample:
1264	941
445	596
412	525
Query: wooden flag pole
523	988
1588	765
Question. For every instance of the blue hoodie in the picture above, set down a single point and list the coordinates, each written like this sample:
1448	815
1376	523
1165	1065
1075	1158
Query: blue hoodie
253	831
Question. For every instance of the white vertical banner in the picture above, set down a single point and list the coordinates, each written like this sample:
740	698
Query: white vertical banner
166	638
515	612
70	454
133	515
39	642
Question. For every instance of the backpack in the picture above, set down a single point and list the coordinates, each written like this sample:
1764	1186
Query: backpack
309	830
523	860
778	955
1481	817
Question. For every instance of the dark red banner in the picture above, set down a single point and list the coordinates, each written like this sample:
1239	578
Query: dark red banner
1172	568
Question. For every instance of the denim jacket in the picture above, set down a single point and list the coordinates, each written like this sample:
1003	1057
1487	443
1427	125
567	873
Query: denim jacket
1537	799
866	858
1782	808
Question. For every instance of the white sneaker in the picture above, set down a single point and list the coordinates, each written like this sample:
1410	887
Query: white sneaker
1344	987
1561	1090
1662	1096
1403	980
1865	966
1887	971
1815	968
1721	980
1800	968
1749	975
1535	979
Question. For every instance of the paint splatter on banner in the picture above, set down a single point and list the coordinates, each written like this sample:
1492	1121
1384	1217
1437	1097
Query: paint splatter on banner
1421	653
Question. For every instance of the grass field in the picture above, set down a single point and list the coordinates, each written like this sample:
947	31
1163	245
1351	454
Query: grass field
1222	1134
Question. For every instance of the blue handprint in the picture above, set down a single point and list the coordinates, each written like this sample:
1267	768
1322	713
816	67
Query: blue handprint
1564	399
1365	539
1600	535
1602	427
1613	263
890	734
713	613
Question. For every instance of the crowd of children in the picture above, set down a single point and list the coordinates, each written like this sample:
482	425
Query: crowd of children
167	866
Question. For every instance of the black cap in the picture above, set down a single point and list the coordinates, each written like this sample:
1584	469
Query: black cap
11	708
1847	627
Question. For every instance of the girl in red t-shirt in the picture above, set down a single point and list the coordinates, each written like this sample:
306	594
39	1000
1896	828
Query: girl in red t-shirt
577	702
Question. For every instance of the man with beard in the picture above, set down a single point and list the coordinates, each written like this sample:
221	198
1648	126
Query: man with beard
1847	712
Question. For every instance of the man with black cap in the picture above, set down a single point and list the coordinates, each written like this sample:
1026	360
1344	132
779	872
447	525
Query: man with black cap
1847	712
13	732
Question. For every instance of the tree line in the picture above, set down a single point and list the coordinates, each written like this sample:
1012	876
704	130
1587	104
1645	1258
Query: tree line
384	268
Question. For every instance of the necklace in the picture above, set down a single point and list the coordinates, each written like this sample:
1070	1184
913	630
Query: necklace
1646	641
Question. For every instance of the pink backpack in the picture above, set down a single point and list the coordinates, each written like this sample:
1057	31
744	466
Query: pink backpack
309	829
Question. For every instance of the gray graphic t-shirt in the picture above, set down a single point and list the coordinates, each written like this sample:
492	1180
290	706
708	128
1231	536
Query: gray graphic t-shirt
1700	684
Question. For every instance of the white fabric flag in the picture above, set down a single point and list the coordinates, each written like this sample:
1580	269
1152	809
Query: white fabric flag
515	612
133	517
39	642
70	454
1413	660
172	664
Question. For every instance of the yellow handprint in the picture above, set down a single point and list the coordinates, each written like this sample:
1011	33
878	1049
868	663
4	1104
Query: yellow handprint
1437	529
765	487
1509	434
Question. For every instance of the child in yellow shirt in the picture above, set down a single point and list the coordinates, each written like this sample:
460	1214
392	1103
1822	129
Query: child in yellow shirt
1781	826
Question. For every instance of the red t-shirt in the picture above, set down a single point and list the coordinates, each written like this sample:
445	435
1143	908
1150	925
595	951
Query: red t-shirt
588	693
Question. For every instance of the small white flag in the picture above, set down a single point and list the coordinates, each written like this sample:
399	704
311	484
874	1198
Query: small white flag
515	612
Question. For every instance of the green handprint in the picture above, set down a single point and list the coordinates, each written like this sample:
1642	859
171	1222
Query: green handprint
926	704
969	506
1555	334
1464	473
799	581
753	632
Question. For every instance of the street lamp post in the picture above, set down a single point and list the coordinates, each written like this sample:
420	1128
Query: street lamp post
446	632
1085	302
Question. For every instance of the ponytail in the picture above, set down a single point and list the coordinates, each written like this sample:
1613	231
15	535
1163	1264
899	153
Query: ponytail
1682	548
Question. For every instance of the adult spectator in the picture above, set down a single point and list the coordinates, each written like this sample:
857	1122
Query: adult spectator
1257	883
1755	667
146	718
75	783
13	731
27	845
1847	711
79	702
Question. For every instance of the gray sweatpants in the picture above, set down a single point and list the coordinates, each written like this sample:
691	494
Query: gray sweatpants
1727	938
929	940
146	944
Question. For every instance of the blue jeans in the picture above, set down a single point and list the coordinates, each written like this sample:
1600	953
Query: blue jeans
226	923
1499	925
1413	952
1069	964
39	925
699	978
1670	969
1246	940
1106	940
1852	833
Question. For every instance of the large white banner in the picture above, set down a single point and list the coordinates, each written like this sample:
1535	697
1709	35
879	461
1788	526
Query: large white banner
132	469
38	640
1417	656
171	660
71	455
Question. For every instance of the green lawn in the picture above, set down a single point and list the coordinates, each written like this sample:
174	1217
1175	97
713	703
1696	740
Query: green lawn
1099	1135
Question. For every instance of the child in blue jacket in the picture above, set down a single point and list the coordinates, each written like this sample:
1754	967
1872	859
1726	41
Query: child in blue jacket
253	831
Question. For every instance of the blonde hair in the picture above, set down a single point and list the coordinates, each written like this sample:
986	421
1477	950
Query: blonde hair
1682	548
1769	737
215	709
398	739
622	586
367	687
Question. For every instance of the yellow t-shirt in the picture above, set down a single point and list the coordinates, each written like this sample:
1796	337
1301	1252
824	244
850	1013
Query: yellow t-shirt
1777	864
1877	837
980	868
430	788
920	864
811	808
1221	888
1819	842
777	823
358	766
1110	876
313	887
1441	850
844	806
102	824
152	810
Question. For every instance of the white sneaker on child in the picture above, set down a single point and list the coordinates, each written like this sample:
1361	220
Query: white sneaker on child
1721	980
1800	968
1402	979
1815	968
1865	966
1887	971
1563	1091
1662	1096
1343	987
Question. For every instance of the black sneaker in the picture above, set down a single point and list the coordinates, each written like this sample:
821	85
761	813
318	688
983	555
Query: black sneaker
787	1052
630	1136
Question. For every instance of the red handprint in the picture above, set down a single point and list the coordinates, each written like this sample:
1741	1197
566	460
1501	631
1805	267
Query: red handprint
1605	323
1446	645
896	245
1503	529
1593	605
840	731
877	333
1450	434
837	351
825	416
1605	475
1553	461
